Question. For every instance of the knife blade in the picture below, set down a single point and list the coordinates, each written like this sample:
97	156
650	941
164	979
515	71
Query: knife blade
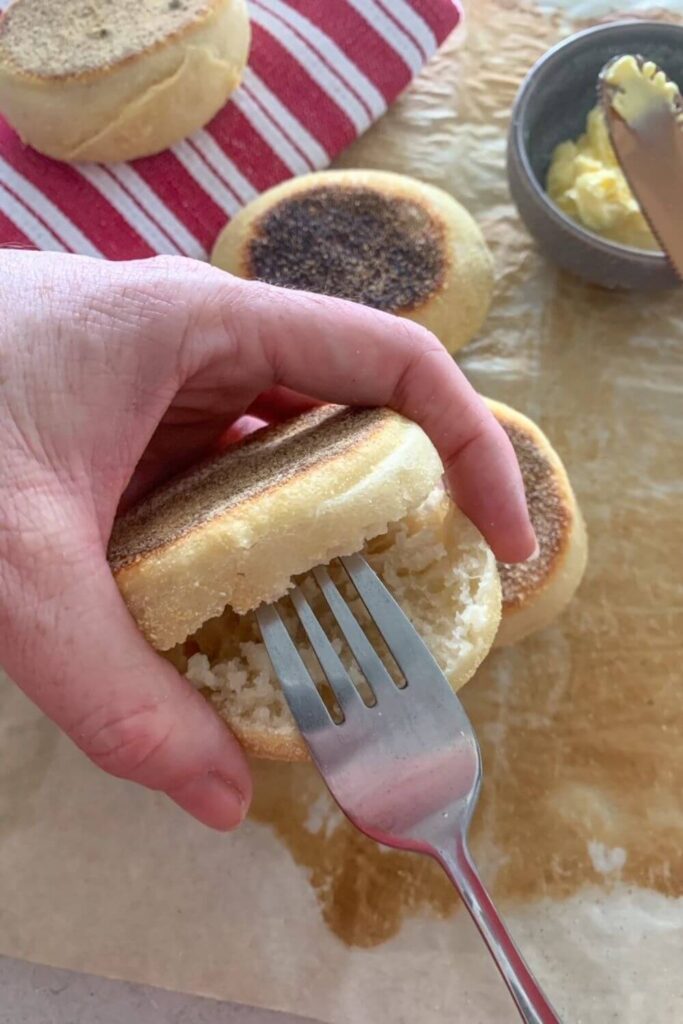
649	148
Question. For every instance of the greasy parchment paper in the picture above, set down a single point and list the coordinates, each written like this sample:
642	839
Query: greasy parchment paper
580	829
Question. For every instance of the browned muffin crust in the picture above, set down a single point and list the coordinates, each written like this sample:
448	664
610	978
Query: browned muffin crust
353	242
550	515
252	467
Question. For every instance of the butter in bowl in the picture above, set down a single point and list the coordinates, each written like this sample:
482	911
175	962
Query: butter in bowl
563	172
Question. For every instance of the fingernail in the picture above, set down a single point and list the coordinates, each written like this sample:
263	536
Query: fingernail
213	800
535	553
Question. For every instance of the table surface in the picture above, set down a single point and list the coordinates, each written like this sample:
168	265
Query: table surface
32	994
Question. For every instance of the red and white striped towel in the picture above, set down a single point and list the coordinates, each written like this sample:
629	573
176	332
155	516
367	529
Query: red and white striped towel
320	72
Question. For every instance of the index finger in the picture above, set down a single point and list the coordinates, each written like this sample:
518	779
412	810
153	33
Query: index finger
337	351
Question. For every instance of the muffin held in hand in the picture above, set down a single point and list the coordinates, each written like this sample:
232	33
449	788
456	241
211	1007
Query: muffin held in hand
85	80
384	240
194	558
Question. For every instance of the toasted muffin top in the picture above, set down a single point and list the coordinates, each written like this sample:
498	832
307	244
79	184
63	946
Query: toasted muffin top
262	462
65	38
355	242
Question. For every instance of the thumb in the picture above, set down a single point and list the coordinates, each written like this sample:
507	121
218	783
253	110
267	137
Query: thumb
71	645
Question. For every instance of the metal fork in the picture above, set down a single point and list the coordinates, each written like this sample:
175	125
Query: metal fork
406	771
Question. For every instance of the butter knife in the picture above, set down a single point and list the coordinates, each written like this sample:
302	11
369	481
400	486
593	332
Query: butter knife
646	129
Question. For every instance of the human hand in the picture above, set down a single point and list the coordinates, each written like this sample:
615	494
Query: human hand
113	376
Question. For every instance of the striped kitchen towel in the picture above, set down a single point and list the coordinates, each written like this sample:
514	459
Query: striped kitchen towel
320	72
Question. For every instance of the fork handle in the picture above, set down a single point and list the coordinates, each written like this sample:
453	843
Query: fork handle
533	1006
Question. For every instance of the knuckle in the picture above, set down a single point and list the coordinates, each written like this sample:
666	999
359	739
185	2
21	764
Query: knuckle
408	388
168	278
416	337
141	292
128	744
219	322
175	266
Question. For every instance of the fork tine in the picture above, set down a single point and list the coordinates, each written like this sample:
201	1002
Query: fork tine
349	698
406	645
300	691
371	665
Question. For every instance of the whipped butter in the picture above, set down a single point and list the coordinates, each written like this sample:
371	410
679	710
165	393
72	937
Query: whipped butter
585	179
639	87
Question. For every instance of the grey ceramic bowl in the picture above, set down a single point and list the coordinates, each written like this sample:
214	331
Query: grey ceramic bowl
552	106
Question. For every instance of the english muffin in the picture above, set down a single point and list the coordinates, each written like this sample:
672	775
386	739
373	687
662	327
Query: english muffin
195	558
101	81
384	240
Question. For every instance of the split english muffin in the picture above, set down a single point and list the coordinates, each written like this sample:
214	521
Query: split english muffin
198	555
92	80
537	591
384	240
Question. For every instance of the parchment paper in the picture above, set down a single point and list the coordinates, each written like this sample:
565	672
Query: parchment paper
580	829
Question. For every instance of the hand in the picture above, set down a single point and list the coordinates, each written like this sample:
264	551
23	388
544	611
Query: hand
112	375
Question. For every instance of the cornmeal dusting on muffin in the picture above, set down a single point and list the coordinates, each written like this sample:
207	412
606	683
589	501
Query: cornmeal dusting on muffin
71	37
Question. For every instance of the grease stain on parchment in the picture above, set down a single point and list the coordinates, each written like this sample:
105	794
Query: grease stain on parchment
364	891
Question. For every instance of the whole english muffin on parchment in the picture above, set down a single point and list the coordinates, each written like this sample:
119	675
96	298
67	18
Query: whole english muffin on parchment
94	80
381	239
195	557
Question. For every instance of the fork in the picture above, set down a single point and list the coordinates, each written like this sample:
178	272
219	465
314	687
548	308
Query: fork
406	770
